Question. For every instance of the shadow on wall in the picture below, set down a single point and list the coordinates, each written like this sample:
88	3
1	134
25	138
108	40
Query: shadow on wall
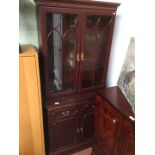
126	80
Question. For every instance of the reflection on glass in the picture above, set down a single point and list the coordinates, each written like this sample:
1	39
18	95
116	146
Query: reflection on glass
96	37
61	36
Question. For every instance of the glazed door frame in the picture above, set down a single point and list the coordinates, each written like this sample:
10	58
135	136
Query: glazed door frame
44	46
86	13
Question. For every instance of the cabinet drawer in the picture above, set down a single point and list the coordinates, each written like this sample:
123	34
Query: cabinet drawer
69	109
63	113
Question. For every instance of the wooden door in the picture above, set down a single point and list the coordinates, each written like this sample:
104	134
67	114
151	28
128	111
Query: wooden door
60	47
97	30
63	128
108	125
86	120
127	139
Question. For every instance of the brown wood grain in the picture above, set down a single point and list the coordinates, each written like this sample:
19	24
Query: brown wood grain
115	98
115	130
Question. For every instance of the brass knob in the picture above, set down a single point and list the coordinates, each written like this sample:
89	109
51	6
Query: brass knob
65	113
82	56
78	130
93	106
78	57
114	121
81	130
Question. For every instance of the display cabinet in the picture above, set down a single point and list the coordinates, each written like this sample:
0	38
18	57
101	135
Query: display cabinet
75	41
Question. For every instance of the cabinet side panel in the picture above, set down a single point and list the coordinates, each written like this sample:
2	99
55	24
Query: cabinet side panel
30	123
24	117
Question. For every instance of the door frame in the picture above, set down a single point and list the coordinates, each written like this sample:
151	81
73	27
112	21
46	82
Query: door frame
43	10
86	13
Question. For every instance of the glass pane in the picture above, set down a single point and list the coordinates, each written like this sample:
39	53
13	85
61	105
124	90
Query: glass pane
61	36
96	37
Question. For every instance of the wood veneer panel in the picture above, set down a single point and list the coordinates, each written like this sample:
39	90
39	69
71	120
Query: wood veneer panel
30	110
116	99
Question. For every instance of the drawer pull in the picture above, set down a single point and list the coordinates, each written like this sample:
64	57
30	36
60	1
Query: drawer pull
132	118
114	121
57	103
65	113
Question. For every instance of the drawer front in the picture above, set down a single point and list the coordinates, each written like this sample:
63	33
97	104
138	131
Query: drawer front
71	109
62	113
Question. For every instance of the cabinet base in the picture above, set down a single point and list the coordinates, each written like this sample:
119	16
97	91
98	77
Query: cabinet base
73	149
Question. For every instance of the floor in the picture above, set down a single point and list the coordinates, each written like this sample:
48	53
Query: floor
84	152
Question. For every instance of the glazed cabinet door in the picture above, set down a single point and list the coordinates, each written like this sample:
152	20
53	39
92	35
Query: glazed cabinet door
95	48
60	44
108	125
63	129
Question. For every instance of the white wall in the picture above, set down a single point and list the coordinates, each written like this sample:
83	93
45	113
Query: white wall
123	31
28	33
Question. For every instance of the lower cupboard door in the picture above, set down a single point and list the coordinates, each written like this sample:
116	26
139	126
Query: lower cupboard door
88	129
63	133
86	121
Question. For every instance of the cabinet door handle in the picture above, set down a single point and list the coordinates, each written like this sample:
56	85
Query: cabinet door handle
78	130
65	113
82	56
81	130
78	57
114	121
93	106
